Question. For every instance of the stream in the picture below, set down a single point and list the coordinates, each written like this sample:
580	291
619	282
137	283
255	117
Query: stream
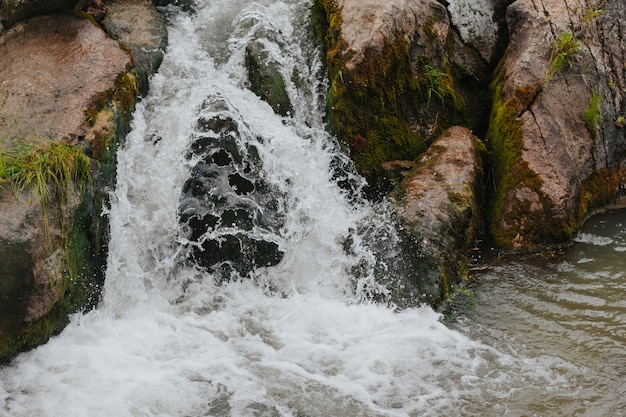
287	329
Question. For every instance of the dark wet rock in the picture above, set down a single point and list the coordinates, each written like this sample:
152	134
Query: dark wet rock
231	215
13	11
265	78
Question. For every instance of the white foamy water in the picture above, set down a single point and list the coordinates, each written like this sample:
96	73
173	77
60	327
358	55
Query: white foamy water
299	338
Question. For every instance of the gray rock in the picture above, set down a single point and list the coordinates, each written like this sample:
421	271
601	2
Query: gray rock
147	42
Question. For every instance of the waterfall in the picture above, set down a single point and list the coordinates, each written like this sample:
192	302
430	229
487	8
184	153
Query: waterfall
299	337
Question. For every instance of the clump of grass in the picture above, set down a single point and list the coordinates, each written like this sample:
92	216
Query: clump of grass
593	11
593	114
564	52
50	170
439	84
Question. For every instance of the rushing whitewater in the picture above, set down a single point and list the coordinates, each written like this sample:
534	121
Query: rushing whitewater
300	338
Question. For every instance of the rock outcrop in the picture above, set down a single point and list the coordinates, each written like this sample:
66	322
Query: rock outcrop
399	76
67	92
553	121
557	94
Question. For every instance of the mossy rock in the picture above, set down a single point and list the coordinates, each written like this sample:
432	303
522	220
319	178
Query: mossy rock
265	79
521	216
76	251
392	104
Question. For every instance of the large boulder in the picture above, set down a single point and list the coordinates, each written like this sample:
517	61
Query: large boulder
52	68
399	75
439	204
558	96
66	99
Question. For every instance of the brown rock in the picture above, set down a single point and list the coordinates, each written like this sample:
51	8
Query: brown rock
548	136
52	68
369	23
439	204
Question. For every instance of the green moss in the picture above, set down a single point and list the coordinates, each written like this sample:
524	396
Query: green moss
384	99
123	95
509	217
266	81
597	191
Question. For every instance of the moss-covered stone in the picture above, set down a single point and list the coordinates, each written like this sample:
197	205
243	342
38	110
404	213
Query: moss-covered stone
266	81
599	190
391	104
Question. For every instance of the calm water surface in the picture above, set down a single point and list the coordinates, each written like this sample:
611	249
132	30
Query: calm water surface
568	313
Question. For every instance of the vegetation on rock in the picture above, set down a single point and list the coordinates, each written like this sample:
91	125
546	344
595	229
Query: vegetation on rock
565	50
391	105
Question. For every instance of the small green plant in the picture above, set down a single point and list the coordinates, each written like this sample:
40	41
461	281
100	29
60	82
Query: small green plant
593	11
619	122
49	170
439	84
564	52
593	114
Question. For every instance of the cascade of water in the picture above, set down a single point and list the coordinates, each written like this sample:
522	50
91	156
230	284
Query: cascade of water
294	338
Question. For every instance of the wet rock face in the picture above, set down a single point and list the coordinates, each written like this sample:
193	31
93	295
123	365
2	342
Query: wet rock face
51	68
266	80
12	11
231	215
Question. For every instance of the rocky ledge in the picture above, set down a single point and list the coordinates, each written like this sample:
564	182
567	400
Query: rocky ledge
66	97
542	84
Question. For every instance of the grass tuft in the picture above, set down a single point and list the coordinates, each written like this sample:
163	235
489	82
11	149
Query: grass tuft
50	170
593	114
564	52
